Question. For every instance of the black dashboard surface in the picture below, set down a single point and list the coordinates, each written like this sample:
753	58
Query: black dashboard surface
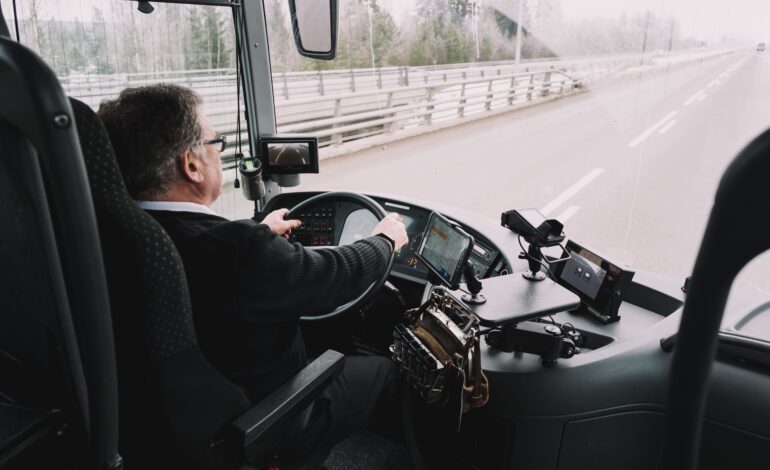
338	223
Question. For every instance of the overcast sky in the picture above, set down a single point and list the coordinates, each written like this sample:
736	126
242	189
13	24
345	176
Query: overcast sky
704	19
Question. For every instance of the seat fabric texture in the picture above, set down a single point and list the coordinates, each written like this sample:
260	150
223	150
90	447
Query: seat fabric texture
173	404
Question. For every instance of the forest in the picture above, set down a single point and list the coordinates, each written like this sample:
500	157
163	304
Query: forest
83	37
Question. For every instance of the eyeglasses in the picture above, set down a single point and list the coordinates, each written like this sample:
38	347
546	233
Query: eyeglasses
221	141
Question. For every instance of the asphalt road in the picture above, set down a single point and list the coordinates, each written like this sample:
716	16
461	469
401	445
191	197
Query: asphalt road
630	168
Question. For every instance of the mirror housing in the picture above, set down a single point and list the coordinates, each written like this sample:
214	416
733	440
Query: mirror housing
314	23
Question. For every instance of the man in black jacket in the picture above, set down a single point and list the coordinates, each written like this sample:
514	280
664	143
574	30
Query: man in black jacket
170	159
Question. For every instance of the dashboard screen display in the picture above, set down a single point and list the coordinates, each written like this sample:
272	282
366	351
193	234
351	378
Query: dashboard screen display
289	155
282	154
360	223
584	272
445	249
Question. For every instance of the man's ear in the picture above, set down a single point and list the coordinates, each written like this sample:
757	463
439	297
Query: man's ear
190	166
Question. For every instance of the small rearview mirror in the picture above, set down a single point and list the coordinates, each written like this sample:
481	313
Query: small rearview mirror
315	27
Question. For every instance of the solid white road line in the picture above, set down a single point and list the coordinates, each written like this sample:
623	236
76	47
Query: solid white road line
714	83
668	126
693	97
572	190
568	212
702	97
652	129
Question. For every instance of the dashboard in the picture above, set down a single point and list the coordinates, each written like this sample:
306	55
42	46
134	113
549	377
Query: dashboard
341	223
532	407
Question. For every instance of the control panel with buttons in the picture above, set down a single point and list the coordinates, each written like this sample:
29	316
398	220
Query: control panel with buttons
317	227
481	259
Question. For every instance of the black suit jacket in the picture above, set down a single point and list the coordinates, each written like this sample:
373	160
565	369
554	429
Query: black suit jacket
249	287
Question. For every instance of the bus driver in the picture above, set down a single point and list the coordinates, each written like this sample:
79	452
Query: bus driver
170	160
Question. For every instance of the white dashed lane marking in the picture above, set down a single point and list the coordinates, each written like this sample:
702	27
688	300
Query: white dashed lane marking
572	190
567	214
694	97
668	126
652	129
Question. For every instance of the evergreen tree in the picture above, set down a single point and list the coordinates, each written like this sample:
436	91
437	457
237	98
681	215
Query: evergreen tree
443	34
386	36
97	49
76	57
194	56
280	38
217	49
132	44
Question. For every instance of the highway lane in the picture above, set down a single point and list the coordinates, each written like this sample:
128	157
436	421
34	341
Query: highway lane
632	167
671	175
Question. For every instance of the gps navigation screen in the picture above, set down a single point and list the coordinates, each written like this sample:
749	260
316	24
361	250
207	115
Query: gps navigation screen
445	248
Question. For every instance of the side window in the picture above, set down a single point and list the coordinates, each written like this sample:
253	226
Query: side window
99	47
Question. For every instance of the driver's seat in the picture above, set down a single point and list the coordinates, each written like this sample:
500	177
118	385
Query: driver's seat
176	411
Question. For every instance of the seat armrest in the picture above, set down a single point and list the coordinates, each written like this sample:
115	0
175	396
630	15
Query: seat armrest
256	430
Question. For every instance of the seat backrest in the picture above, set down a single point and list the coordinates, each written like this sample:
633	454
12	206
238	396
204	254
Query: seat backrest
56	349
172	402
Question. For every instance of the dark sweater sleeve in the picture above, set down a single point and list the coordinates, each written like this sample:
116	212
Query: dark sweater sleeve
281	281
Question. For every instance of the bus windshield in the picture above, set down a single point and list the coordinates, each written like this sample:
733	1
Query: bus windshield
615	117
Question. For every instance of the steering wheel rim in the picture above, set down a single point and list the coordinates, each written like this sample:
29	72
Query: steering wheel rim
379	212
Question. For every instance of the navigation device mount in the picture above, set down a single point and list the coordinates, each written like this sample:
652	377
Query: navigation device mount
539	232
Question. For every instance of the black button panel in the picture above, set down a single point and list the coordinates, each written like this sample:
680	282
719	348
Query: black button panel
481	259
317	227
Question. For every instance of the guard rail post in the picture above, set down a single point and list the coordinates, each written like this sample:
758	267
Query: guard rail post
531	87
379	78
285	87
389	105
320	84
490	94
430	107
337	138
352	81
546	84
512	91
461	108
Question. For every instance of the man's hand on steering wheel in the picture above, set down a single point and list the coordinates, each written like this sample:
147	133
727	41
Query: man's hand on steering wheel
275	220
392	226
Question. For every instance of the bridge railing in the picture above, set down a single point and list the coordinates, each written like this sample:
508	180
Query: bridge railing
290	85
340	106
345	117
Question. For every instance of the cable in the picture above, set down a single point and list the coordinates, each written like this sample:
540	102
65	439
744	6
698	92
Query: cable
238	151
561	260
536	260
463	290
16	22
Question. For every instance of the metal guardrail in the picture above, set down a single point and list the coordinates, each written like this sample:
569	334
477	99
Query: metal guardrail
339	106
343	117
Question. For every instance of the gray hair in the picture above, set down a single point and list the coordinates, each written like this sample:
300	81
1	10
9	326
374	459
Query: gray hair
150	128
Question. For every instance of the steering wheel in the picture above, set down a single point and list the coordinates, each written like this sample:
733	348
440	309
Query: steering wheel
377	210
